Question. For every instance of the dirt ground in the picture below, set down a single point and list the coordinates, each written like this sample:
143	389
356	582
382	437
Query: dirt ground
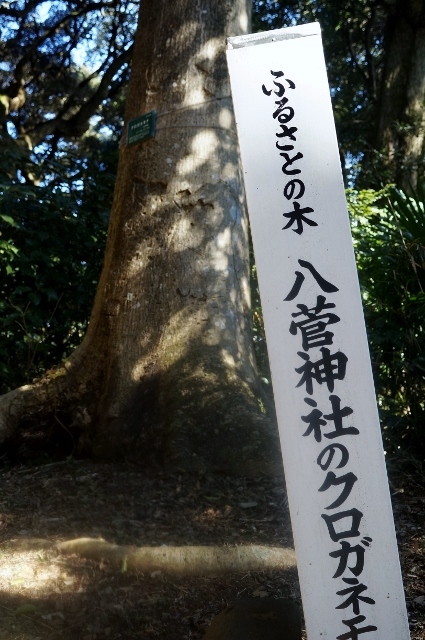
45	595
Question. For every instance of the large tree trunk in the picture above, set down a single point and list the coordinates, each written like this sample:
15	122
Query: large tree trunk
167	365
400	132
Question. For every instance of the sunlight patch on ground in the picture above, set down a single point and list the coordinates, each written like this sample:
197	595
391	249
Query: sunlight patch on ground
35	571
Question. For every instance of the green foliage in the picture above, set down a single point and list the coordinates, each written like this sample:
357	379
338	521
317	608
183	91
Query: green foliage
388	230
388	226
354	42
389	238
64	68
63	73
61	64
52	239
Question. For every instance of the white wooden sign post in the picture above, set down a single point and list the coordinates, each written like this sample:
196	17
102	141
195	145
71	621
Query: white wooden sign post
331	443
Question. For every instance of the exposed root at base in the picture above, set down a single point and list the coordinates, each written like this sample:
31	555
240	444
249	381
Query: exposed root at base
184	561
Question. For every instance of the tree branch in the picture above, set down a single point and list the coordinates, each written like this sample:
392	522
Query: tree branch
60	24
76	125
355	61
370	60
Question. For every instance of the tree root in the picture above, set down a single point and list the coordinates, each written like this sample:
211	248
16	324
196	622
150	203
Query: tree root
30	404
185	560
34	404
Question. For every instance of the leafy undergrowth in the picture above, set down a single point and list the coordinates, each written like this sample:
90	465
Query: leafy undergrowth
44	595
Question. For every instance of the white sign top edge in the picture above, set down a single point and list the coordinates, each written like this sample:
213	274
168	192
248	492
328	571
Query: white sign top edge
265	37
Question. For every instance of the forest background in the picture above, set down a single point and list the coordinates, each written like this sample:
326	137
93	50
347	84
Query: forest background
65	67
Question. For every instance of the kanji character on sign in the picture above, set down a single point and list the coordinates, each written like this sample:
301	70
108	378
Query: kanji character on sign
315	420
312	329
331	367
297	217
336	416
325	286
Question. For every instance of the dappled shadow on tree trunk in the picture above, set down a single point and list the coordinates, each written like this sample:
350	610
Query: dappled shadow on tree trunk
167	371
194	417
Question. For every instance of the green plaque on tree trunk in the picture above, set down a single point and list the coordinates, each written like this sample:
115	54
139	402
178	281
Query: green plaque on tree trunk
141	128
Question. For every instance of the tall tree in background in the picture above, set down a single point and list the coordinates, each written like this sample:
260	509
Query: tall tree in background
173	249
45	97
376	67
167	363
400	130
375	53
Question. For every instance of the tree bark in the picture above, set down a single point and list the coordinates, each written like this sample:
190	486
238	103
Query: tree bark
400	132
176	376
